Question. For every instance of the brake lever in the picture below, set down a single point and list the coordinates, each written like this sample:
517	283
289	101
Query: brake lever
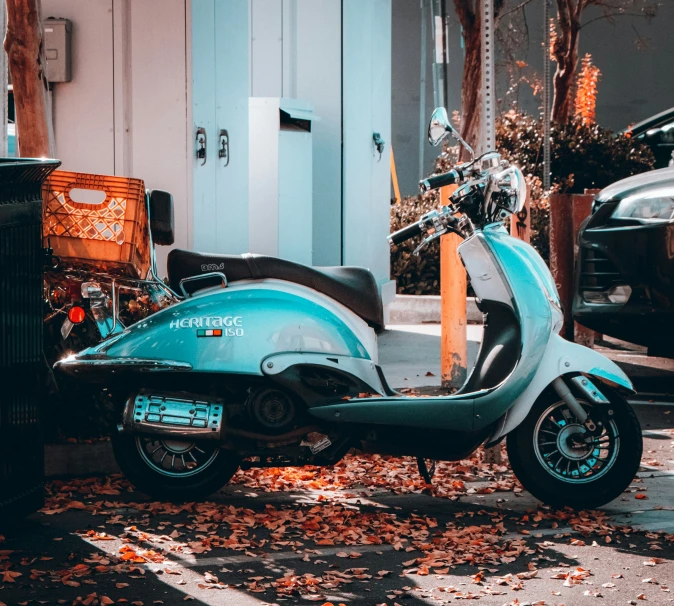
440	223
427	241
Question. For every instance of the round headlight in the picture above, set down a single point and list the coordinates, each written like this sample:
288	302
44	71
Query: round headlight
520	186
511	181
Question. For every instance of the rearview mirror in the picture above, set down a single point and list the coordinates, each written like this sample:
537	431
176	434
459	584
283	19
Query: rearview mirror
439	126
161	217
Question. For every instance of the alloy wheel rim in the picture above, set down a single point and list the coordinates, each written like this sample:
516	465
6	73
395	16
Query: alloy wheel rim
568	451
175	458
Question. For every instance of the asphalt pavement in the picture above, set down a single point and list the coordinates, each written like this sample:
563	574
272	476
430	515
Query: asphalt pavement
353	544
367	532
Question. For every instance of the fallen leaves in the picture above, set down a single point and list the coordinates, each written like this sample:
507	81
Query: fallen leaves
398	475
9	576
572	577
350	554
473	542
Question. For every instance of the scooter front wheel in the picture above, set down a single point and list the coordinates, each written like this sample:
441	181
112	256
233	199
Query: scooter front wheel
559	461
171	469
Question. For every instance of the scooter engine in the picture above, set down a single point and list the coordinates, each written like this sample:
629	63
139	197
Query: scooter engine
271	409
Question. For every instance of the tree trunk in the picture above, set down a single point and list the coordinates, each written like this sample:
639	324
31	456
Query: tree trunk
471	85
3	81
562	101
565	51
471	91
27	66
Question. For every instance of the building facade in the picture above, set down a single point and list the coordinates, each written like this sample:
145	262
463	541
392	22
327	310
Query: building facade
155	82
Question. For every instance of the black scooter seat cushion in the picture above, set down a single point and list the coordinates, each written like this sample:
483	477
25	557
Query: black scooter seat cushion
353	287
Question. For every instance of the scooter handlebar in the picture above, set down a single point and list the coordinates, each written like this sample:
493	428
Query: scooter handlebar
405	233
449	178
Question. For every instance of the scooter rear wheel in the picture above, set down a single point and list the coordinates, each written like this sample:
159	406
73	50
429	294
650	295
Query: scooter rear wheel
561	463
172	469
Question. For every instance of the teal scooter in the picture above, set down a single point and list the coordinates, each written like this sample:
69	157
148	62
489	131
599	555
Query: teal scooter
267	363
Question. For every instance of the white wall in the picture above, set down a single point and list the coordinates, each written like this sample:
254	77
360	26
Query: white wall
83	109
158	104
318	78
297	48
367	109
131	108
124	112
219	90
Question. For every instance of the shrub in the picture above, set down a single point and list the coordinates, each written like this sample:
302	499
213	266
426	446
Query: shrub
583	156
415	275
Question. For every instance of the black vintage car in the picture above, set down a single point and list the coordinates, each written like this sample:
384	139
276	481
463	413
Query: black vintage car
624	282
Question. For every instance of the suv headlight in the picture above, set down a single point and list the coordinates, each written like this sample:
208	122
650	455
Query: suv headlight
655	206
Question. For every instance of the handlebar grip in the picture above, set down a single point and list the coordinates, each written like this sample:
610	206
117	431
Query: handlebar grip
450	178
405	233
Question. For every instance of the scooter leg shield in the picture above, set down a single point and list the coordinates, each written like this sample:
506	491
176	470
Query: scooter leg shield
562	357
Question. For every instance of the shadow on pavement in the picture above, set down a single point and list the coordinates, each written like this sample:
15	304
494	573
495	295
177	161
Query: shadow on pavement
243	547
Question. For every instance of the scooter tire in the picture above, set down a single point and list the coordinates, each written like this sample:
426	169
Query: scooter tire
588	495
175	489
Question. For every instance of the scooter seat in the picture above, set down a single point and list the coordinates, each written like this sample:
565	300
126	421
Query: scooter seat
353	287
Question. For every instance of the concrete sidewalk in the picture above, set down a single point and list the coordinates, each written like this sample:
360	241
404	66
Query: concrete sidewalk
409	352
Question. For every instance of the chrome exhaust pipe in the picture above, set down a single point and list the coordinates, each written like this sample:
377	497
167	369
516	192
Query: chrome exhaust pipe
172	416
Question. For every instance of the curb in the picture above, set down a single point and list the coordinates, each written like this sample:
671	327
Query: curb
425	309
89	459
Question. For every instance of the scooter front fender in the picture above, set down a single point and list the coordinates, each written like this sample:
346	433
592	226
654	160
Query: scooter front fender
561	357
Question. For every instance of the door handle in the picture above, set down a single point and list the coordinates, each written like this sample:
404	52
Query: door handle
223	146
201	144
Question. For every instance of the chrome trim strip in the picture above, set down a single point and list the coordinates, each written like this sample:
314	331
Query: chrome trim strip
142	364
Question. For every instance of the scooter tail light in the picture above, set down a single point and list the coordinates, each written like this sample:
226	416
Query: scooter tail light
76	314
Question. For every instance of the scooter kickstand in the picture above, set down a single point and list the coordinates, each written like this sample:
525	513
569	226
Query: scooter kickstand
426	472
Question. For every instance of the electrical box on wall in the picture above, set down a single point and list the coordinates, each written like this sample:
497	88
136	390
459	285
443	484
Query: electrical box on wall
57	34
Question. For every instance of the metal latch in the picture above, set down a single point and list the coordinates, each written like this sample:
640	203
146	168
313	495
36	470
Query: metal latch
201	143
223	146
379	144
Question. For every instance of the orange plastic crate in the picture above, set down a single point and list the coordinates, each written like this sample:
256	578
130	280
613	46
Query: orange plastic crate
116	230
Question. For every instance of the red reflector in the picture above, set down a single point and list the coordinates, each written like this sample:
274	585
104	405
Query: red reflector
76	315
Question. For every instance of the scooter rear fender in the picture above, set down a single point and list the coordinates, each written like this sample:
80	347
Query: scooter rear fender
561	357
231	330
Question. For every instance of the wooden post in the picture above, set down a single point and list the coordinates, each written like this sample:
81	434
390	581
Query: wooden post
561	254
394	177
453	288
581	210
27	66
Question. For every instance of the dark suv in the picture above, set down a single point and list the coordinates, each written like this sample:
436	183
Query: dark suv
624	282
